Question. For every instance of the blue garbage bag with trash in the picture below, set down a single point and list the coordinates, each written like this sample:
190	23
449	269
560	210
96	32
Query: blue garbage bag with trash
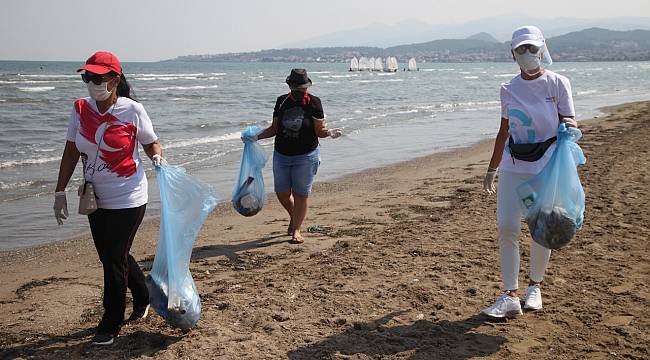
248	196
554	199
185	202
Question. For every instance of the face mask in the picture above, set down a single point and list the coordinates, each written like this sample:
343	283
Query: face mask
530	63
98	92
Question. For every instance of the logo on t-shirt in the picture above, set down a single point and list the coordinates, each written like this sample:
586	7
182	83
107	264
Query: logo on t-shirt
292	119
524	126
116	140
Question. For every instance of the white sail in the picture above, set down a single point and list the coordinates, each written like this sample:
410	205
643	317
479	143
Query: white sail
371	64
391	64
413	66
354	64
363	63
379	64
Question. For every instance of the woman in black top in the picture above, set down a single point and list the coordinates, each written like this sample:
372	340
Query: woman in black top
298	122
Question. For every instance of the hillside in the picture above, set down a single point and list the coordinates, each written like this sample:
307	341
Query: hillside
601	44
484	36
593	44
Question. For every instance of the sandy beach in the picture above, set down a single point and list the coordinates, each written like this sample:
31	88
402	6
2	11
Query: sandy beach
397	264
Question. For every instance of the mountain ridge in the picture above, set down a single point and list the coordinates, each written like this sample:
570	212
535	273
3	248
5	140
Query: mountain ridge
592	44
500	26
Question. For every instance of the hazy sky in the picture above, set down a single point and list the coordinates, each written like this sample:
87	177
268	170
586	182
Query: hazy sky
144	30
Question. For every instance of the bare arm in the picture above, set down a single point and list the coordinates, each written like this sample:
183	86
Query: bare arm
68	163
152	149
569	120
499	144
269	131
320	128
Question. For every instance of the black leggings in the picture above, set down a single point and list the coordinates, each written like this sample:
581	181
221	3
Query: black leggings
113	231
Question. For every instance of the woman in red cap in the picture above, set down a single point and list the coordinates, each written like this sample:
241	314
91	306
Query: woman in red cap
298	123
533	104
105	130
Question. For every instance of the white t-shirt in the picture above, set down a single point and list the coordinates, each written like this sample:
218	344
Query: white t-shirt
532	108
109	141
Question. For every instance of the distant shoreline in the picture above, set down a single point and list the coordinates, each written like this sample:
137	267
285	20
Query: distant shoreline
594	44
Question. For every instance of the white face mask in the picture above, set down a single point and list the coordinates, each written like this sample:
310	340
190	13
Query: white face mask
529	63
98	92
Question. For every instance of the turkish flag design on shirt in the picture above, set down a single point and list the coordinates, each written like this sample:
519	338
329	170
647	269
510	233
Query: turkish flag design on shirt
119	139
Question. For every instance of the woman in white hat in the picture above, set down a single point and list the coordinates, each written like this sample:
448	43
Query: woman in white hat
533	104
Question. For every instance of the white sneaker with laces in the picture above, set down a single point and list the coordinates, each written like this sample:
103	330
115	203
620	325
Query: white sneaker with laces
505	306
533	300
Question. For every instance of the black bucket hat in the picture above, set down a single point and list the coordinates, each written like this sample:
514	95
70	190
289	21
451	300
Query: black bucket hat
298	78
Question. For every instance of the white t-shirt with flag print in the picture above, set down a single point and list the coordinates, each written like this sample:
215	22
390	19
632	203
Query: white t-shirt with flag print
532	108
110	140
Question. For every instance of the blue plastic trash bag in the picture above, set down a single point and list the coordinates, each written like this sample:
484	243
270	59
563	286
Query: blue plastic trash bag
185	202
248	196
554	198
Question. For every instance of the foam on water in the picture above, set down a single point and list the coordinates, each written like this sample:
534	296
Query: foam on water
35	81
26	162
166	78
586	92
15	185
48	75
36	89
169	75
202	140
197	87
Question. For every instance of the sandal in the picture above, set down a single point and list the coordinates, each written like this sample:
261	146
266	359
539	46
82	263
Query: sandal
297	240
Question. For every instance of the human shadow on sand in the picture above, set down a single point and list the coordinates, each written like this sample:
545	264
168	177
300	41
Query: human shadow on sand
230	251
77	345
422	339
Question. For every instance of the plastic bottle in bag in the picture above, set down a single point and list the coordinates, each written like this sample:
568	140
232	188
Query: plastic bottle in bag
185	203
554	198
248	196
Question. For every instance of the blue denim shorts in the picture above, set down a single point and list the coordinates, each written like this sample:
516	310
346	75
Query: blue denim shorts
295	173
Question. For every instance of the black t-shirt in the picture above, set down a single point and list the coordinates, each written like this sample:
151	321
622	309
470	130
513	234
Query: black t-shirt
295	134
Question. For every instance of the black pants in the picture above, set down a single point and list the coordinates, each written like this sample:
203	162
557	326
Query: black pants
113	232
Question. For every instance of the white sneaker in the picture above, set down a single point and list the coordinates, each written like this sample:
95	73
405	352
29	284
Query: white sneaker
533	300
505	306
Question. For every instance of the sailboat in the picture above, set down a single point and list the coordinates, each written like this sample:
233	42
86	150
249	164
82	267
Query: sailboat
363	64
354	64
391	64
413	66
379	64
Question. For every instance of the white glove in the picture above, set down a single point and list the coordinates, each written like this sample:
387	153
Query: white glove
158	160
60	207
334	133
249	138
488	182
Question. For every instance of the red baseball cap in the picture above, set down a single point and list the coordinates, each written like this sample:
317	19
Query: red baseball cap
102	62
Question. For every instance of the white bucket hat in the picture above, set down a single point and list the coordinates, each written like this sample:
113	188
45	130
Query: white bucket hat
531	35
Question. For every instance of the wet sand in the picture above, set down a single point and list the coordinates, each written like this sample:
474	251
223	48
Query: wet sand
397	264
